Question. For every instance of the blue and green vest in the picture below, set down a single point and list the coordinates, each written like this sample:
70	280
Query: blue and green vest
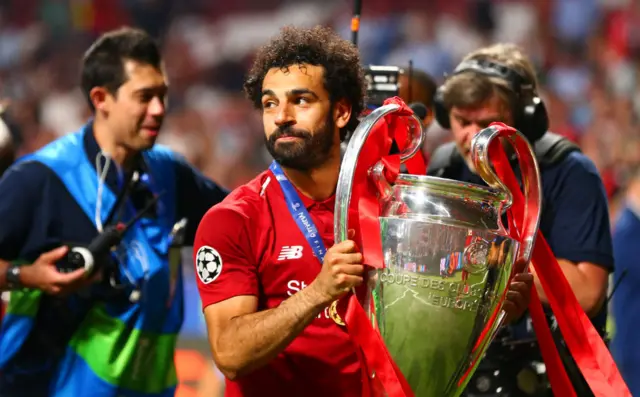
120	349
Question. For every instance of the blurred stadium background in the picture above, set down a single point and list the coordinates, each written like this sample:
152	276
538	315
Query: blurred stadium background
587	53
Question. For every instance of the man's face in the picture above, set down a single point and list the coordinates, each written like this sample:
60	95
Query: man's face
136	112
301	124
467	122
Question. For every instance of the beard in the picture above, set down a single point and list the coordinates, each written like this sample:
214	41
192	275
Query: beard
308	152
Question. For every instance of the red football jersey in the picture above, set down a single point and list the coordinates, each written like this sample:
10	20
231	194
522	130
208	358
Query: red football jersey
250	245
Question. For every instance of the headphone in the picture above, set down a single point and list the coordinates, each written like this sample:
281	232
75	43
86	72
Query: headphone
529	112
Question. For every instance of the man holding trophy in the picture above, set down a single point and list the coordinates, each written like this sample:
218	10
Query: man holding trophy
266	280
498	84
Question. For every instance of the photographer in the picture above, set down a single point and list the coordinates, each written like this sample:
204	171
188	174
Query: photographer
103	321
498	84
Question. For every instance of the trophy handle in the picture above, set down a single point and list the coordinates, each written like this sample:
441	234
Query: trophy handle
350	161
530	180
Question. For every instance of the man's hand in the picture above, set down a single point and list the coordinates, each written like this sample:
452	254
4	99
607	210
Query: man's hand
341	271
44	275
518	296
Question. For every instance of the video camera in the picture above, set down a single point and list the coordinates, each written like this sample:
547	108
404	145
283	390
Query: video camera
382	83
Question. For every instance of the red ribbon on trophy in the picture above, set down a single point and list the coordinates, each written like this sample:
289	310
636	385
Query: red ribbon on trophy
586	346
374	356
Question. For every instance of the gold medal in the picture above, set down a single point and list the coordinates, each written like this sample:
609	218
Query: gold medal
333	313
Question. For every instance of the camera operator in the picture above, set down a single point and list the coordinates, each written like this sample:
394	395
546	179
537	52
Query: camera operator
100	313
498	84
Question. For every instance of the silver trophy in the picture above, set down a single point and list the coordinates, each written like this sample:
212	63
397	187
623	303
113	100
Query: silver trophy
447	256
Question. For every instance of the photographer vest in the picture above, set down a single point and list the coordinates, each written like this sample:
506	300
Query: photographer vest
121	347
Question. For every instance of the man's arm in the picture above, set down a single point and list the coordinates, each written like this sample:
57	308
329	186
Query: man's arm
21	191
195	195
579	233
21	188
17	204
241	338
587	280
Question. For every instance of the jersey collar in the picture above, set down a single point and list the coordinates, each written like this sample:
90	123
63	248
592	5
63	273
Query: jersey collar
309	203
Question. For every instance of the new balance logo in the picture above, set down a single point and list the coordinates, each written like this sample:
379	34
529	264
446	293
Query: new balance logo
290	252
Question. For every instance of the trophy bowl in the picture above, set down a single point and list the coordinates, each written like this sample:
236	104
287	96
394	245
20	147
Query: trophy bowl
448	260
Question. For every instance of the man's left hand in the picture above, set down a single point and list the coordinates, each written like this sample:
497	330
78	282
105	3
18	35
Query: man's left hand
518	296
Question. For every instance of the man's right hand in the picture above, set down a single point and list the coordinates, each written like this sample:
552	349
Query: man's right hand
341	271
44	275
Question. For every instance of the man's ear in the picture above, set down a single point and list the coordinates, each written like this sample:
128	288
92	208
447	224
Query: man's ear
101	99
341	113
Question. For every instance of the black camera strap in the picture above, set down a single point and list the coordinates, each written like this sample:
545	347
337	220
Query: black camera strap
117	210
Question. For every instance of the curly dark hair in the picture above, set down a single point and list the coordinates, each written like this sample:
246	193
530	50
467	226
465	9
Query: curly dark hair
319	46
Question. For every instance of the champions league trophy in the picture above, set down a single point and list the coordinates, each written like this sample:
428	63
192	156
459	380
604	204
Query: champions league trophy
448	258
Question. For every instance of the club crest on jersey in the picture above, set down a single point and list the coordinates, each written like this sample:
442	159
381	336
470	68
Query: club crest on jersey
208	264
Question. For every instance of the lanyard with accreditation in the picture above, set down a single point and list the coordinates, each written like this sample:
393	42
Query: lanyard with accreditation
299	212
308	228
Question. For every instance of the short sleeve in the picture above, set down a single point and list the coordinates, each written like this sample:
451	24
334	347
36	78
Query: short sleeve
577	213
223	257
22	188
